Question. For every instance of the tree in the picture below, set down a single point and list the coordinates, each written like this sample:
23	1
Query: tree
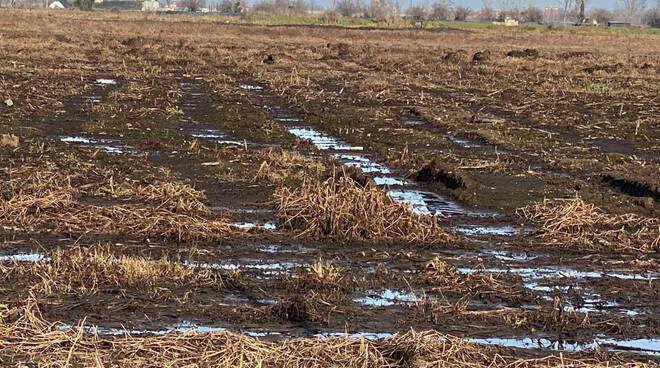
381	10
632	9
652	17
566	6
532	14
487	12
299	7
349	8
192	5
440	11
417	13
231	6
461	13
602	16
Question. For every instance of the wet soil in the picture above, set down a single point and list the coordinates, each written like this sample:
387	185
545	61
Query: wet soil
208	114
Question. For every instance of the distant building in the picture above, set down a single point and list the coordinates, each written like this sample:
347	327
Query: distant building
150	6
550	14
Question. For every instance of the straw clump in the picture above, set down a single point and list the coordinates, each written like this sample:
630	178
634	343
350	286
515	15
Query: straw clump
175	197
26	336
575	223
445	278
342	210
47	201
281	166
96	270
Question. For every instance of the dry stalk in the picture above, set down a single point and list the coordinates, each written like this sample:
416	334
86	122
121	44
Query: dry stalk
26	336
341	210
573	222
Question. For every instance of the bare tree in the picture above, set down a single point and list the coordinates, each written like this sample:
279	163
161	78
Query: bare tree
531	14
417	13
600	15
461	13
299	7
632	9
192	5
487	12
440	11
231	6
566	6
652	17
382	10
349	8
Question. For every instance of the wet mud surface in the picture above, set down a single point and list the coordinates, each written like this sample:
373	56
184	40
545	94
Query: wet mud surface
146	205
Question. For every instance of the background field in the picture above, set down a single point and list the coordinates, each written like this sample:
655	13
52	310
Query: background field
195	191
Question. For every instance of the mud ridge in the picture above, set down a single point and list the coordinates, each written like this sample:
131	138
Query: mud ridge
632	187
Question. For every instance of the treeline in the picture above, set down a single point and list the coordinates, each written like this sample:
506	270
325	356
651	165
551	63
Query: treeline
568	11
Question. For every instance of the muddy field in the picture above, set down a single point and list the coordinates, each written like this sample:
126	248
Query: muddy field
179	192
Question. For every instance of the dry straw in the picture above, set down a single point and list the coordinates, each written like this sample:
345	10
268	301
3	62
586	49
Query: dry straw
46	200
573	222
26	336
443	277
88	271
342	210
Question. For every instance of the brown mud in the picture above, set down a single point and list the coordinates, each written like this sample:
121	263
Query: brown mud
148	206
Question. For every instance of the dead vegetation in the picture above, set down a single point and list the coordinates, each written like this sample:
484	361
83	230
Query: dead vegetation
354	86
316	290
26	336
96	270
342	210
280	166
43	200
445	278
570	223
174	197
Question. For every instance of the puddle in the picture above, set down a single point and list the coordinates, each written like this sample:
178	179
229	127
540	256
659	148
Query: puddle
391	181
643	346
106	81
530	343
530	274
426	202
215	136
183	327
412	122
242	210
505	230
270	225
592	303
322	141
386	298
251	87
268	268
207	133
297	249
511	256
464	143
24	257
361	162
104	144
357	335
